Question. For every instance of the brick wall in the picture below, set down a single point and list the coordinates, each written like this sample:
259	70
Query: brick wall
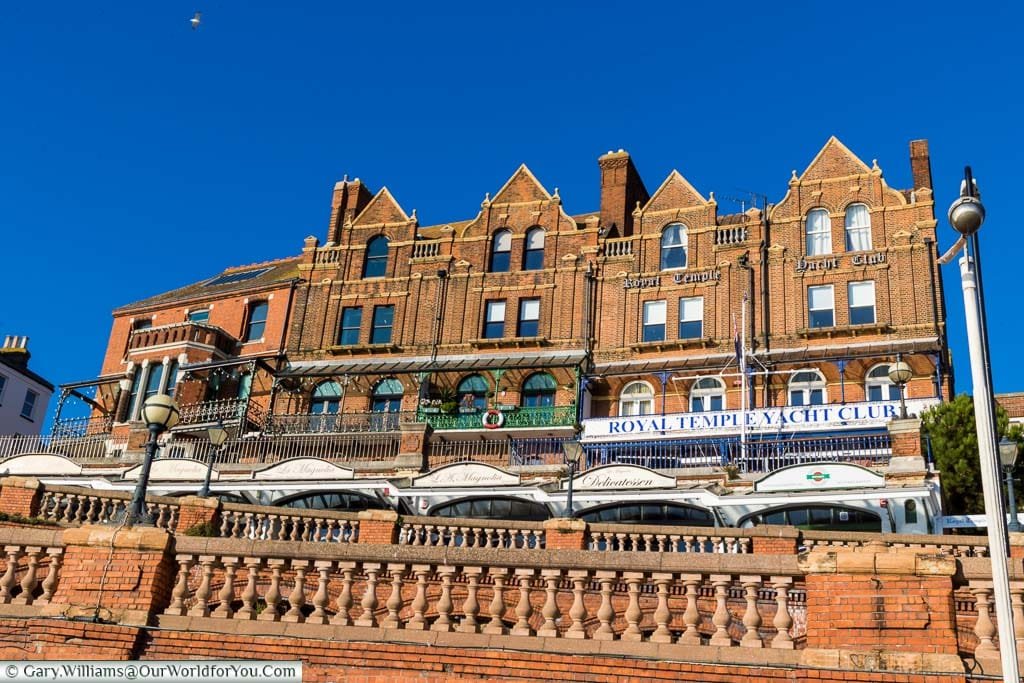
20	496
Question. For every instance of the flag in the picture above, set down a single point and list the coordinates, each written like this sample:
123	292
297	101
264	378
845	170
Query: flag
737	343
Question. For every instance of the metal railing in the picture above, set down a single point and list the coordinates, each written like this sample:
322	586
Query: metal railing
324	423
754	456
503	452
225	409
81	426
546	416
91	447
272	448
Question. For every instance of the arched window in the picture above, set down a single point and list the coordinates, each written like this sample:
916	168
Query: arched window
324	405
539	390
858	228
387	396
807	388
533	249
816	517
819	233
878	386
501	251
472	392
673	246
376	264
637	398
708	393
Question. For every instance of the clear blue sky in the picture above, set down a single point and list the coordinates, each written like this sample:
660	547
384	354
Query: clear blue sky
139	156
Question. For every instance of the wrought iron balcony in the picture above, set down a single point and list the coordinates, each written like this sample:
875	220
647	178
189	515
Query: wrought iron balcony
81	426
546	416
228	410
336	423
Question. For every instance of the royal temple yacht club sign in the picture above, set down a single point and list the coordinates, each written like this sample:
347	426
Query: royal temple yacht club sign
174	469
803	265
817	476
681	278
618	477
470	474
304	469
757	421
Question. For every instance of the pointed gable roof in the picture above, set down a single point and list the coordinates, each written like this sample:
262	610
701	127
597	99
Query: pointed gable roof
834	160
523	186
382	209
675	193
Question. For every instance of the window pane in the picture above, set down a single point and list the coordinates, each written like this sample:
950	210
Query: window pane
156	373
796	398
862	315
691	330
820	297
495	311
862	293
501	252
654	312
501	262
257	321
819	233
529	309
535	239
351	321
376	264
200	316
383	318
691	308
673	246
503	241
874	393
858	228
29	405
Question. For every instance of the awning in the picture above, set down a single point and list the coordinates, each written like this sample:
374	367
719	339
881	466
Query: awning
387	366
784	355
95	382
228	363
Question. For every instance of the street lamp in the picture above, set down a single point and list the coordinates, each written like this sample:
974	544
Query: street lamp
160	413
218	435
899	374
1008	451
966	216
571	451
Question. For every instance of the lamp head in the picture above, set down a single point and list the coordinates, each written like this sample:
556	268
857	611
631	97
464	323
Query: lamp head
966	215
900	373
1008	452
571	451
218	435
160	412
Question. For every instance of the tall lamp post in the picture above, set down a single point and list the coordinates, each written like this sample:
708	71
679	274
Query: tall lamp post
218	435
899	374
160	413
571	451
966	216
1008	451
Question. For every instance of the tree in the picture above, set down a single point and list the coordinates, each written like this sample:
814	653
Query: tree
954	443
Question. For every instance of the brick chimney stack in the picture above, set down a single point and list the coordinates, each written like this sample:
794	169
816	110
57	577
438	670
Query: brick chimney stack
621	189
920	164
15	351
350	197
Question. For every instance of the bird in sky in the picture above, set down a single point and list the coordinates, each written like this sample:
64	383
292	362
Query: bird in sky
195	20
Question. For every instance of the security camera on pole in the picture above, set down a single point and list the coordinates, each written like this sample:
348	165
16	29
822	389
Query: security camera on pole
966	215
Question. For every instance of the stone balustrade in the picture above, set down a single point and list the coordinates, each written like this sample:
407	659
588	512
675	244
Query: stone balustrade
74	505
287	524
643	538
470	533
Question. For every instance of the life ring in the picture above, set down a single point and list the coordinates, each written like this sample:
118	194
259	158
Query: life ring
498	421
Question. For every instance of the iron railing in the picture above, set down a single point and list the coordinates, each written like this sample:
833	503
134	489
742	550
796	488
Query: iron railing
271	448
225	410
90	447
322	423
546	416
81	426
753	456
503	452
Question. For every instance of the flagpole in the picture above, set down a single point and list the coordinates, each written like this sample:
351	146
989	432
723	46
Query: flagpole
742	359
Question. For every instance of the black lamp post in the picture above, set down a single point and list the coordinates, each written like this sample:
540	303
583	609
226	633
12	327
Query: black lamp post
1008	451
899	374
218	435
571	451
160	413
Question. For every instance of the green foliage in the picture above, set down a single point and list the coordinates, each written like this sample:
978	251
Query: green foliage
205	529
954	443
18	519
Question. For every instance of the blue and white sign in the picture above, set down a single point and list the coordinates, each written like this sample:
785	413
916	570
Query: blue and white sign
789	419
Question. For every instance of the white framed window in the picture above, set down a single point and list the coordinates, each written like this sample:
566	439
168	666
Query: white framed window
533	249
501	251
29	406
200	315
878	386
858	228
821	306
807	388
529	318
862	302
691	317
707	393
819	233
674	246
654	321
637	398
494	320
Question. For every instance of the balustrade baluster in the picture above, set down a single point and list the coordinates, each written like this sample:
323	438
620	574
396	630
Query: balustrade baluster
8	581
297	598
497	607
30	580
444	621
983	627
1017	605
248	608
783	621
202	606
605	613
272	598
633	613
471	606
751	617
419	604
721	616
180	593
578	611
227	592
662	615
341	615
296	529
319	615
69	508
369	602
394	603
523	608
52	572
550	611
